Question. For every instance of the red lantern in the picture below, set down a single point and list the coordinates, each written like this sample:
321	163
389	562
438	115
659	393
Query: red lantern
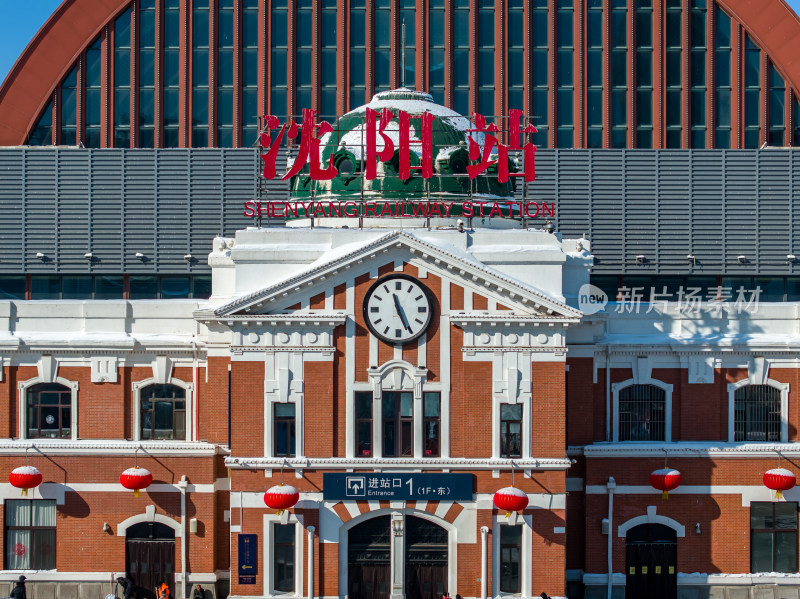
281	497
25	477
665	480
136	478
511	499
779	480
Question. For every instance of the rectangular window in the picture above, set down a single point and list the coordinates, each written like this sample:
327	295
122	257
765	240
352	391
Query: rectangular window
773	536
283	430
283	556
511	430
363	424
430	425
510	549
398	424
30	534
757	413
163	412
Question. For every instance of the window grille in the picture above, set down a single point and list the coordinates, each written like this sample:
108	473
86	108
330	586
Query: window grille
641	413
757	413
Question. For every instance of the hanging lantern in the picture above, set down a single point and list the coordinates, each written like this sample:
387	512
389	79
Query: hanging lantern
137	479
665	480
511	499
25	477
779	480
281	497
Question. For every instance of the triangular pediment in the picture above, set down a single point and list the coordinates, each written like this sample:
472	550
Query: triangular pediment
522	300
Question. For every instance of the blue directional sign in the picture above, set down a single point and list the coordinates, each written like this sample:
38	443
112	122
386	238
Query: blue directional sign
248	558
399	486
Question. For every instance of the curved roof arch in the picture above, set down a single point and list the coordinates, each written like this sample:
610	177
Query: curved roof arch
48	57
75	24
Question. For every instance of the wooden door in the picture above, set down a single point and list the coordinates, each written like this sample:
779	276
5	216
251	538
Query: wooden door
150	558
426	559
651	563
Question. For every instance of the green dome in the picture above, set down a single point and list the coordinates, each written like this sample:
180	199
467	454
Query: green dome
450	181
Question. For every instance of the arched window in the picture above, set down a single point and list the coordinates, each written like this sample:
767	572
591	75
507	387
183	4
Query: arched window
49	411
642	413
757	413
163	412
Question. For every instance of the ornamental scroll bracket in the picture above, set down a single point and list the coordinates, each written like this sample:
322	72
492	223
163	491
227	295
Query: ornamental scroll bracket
397	375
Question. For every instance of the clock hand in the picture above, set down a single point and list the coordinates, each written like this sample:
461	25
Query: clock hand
401	312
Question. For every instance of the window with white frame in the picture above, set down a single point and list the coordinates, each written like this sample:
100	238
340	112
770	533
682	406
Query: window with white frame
48	411
757	413
30	534
284	426
283	557
510	430
642	413
162	412
397	424
510	555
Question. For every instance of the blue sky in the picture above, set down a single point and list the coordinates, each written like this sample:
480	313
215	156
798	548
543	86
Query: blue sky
19	22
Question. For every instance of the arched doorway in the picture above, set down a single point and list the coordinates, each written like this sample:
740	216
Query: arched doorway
150	557
414	551
369	559
426	559
651	564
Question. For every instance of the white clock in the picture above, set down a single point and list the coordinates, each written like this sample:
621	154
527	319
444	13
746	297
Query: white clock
397	308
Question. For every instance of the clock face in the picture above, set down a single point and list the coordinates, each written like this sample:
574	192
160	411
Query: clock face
397	308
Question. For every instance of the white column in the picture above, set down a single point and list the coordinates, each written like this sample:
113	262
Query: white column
311	530
484	560
398	555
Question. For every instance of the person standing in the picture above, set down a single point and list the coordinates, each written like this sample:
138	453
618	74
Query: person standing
18	592
162	592
127	586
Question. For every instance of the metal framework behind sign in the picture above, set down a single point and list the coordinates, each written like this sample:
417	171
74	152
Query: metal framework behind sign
660	204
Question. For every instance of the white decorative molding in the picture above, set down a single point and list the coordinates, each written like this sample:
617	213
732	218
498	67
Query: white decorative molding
397	375
758	373
240	462
47	367
644	378
162	370
758	370
700	368
651	518
692	449
104	369
103	447
149	516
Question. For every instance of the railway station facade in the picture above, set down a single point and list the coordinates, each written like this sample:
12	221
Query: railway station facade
632	308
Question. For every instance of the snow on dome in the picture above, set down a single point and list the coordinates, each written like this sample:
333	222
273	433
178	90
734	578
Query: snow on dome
26	470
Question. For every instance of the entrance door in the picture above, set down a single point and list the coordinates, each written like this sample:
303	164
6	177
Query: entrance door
651	562
369	555
150	558
426	559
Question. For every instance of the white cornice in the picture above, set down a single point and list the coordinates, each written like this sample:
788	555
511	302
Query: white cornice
506	320
315	319
110	447
468	269
688	450
396	463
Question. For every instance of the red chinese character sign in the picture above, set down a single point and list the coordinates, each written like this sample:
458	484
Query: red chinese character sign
386	134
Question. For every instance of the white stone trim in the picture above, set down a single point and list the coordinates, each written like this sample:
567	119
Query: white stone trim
534	463
652	518
22	396
698	578
691	449
149	515
137	387
104	447
643	379
526	552
751	380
